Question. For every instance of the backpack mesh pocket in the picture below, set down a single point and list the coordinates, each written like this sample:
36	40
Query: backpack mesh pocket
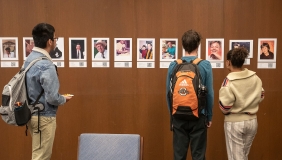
22	114
5	100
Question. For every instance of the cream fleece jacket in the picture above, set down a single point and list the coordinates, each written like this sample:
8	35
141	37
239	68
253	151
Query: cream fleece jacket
240	95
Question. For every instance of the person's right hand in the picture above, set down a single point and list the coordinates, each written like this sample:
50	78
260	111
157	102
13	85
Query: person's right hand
67	98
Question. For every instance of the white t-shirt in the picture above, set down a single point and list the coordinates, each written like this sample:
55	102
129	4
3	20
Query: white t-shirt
11	55
99	55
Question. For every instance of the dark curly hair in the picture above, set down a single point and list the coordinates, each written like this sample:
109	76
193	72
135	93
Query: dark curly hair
237	56
191	40
41	33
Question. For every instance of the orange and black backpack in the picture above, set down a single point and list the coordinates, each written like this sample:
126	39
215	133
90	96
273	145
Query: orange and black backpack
187	93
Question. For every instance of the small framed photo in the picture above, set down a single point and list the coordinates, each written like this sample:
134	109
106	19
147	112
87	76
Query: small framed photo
198	55
100	49
58	53
77	49
267	49
123	49
215	49
28	45
9	48
247	44
168	49
145	49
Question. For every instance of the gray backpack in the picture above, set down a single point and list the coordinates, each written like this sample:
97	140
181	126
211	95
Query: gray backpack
16	109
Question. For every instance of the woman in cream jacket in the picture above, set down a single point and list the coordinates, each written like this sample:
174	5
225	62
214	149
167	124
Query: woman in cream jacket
239	98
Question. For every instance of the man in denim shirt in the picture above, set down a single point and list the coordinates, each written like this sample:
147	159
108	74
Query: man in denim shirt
186	132
43	76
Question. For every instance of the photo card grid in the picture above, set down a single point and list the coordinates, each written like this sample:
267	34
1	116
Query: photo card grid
145	51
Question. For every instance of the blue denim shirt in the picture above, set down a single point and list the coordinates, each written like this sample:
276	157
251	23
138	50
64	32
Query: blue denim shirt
43	75
207	80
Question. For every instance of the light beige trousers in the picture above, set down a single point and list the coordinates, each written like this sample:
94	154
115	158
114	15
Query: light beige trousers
239	137
48	128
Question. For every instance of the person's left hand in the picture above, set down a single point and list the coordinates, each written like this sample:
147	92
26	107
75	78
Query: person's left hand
209	124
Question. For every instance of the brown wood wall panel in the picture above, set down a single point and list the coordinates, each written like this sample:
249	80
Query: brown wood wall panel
131	100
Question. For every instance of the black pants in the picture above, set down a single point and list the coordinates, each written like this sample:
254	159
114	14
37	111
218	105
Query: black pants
189	132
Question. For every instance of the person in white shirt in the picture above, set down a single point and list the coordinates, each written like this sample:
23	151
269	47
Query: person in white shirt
8	53
102	52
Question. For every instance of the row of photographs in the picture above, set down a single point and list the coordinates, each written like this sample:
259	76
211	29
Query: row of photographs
145	49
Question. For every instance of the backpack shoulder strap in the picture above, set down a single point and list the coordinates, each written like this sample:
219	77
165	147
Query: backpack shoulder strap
197	61
178	61
175	68
31	64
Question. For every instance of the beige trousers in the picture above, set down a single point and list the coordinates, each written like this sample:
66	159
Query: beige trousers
48	128
239	137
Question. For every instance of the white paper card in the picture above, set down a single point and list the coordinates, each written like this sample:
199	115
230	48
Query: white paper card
247	62
101	64
77	64
267	65
59	63
164	64
10	64
217	65
145	64
123	64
